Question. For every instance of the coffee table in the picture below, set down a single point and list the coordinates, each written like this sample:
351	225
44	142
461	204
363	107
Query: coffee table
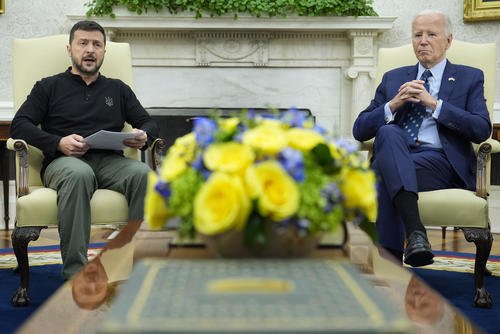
82	304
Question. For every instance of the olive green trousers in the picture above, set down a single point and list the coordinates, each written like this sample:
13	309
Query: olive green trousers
75	180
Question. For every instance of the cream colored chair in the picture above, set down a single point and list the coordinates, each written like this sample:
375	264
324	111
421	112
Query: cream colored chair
36	205
459	208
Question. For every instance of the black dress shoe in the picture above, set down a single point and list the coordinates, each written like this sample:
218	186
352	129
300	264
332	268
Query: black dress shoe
418	251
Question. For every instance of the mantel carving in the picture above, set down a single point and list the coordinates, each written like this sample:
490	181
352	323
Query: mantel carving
345	47
235	48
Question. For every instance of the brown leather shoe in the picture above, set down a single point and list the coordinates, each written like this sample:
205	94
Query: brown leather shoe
418	251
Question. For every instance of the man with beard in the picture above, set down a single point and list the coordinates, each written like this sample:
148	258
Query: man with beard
59	113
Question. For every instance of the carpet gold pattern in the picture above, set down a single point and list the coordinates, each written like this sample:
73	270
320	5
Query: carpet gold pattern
42	255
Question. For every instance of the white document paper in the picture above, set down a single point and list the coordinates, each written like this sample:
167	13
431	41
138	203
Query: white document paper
109	140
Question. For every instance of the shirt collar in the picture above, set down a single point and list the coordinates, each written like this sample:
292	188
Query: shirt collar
78	78
437	71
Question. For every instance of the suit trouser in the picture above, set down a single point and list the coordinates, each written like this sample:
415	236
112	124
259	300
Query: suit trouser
75	180
400	166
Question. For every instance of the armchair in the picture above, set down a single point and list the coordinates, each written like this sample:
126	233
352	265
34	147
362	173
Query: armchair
36	206
459	208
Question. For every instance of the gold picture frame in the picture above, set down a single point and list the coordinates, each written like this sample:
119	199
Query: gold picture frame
2	6
481	10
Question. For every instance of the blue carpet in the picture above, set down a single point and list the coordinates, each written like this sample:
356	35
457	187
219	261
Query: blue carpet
458	288
44	281
463	255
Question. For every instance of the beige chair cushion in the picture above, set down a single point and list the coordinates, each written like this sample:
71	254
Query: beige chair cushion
39	208
453	207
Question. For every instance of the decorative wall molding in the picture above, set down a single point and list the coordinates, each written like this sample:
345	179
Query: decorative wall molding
232	48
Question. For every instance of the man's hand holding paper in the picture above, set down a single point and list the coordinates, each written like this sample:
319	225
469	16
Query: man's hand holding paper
108	140
138	141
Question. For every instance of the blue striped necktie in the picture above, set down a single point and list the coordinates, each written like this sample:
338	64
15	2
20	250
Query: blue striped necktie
414	117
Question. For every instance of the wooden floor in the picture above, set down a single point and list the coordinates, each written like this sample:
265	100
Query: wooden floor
454	240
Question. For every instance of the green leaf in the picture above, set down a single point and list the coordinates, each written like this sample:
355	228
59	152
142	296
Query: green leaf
255	233
322	154
370	229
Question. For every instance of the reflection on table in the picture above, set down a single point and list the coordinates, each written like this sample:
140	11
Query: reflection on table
81	305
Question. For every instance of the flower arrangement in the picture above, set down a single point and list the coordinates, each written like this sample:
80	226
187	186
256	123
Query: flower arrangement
260	171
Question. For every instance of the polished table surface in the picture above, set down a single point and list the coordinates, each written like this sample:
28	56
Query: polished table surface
81	304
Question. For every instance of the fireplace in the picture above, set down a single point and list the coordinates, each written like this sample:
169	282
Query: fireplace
176	122
325	64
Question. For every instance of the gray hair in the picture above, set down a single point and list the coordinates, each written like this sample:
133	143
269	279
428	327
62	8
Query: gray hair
447	21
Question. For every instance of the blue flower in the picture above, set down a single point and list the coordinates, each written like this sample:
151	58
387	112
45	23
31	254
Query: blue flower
204	129
349	145
320	130
163	188
294	117
293	162
200	166
302	226
332	194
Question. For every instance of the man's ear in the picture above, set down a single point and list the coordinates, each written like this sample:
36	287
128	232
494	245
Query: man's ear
449	39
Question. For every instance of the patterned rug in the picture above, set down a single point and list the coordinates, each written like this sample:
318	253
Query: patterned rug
461	262
449	261
42	255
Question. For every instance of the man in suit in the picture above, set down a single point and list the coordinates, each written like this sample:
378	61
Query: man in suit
424	118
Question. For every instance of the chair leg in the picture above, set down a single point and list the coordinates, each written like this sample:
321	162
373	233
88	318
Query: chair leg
483	240
21	236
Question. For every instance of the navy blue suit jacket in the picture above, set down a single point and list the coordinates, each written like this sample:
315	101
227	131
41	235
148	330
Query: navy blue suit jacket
464	117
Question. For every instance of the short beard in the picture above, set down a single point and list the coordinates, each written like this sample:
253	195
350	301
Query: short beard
84	71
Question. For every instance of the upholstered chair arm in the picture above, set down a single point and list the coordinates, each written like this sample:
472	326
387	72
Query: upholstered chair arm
484	151
366	145
495	145
21	148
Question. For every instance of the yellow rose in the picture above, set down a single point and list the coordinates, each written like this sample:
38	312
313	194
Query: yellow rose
267	138
277	193
358	187
221	204
334	151
178	156
229	124
156	211
172	166
304	139
230	157
185	146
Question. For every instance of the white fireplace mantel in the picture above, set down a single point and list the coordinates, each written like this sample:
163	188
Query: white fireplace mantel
325	64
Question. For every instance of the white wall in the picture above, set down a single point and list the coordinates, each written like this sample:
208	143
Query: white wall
31	18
